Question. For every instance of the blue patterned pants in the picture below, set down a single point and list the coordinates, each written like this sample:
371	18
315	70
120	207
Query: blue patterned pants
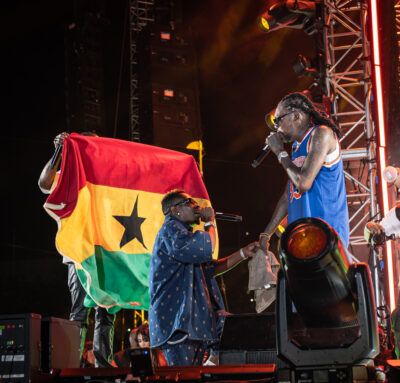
185	353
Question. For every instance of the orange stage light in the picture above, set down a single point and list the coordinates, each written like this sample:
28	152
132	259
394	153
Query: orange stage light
307	241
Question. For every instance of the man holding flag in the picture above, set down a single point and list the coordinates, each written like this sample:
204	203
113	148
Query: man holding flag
103	329
186	311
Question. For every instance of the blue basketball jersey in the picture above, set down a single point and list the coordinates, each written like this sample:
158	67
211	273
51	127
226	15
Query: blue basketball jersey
326	198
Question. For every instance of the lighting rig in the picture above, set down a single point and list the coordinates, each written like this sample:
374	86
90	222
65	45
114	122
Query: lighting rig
342	71
295	14
325	315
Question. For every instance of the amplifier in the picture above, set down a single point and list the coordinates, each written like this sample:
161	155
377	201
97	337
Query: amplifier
249	339
19	347
60	344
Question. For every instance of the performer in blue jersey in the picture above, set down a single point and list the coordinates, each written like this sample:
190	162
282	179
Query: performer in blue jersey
316	186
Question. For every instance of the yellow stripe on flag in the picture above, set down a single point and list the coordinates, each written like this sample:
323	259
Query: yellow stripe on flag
93	221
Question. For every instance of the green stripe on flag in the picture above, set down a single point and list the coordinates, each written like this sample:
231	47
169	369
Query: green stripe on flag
118	279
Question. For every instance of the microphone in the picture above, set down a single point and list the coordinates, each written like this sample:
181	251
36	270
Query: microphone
228	217
264	153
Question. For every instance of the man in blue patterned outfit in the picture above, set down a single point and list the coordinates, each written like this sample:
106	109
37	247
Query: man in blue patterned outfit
186	310
316	186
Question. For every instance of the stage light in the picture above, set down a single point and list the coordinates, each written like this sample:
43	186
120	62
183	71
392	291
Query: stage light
168	93
316	267
296	14
303	67
165	36
307	241
270	121
325	307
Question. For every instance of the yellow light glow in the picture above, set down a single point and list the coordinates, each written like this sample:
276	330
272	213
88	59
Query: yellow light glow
271	118
264	23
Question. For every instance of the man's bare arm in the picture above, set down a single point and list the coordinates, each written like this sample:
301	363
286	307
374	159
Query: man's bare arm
47	175
234	259
278	215
323	141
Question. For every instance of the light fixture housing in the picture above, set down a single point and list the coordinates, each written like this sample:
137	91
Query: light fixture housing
325	309
297	14
316	267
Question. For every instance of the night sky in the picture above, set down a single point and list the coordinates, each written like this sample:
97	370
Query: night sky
243	73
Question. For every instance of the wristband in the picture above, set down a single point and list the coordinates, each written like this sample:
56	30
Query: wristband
268	236
281	155
242	254
208	224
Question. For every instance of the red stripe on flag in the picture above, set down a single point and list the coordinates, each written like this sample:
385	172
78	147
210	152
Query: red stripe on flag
122	164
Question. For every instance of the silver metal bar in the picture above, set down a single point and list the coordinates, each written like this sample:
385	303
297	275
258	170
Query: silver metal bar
342	14
358	138
356	181
363	219
354	154
359	210
342	47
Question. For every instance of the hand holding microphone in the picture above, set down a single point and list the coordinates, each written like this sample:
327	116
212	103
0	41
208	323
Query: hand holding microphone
207	214
273	142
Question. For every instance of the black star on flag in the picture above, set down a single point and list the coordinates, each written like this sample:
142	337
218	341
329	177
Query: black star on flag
132	225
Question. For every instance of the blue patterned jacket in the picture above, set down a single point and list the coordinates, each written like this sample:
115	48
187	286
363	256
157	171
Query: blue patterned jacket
184	296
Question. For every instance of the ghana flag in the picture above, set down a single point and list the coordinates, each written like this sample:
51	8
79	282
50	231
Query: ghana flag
107	203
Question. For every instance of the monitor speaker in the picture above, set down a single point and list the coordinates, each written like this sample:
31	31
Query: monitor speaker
60	344
142	366
249	339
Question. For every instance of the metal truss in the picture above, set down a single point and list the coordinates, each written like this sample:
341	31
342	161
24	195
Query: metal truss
141	12
348	86
397	25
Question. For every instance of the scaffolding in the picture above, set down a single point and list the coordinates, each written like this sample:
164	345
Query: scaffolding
349	88
397	26
141	13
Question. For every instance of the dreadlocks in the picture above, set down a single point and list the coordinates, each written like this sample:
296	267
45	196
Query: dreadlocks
316	112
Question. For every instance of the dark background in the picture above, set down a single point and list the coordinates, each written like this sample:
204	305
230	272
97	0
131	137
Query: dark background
243	73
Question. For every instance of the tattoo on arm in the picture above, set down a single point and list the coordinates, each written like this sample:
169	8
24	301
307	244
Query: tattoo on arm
322	142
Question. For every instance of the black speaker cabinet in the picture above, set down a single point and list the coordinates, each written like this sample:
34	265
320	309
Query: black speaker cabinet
60	344
248	339
19	347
